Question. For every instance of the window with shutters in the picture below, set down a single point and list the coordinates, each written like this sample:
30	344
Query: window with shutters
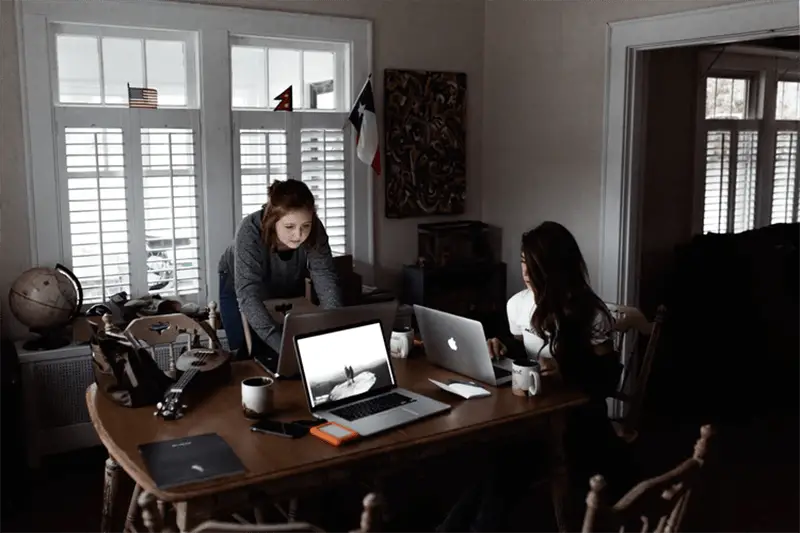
731	156
128	177
749	132
147	200
309	143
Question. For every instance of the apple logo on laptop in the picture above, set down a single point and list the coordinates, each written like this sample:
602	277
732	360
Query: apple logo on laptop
451	342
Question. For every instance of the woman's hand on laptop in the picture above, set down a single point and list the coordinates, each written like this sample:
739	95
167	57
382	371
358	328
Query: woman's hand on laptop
496	348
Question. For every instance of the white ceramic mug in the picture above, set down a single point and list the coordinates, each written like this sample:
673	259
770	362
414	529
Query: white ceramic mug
525	378
401	342
257	396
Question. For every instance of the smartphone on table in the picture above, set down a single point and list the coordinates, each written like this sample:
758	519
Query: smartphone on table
290	430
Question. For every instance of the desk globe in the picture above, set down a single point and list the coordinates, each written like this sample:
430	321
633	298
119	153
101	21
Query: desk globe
46	300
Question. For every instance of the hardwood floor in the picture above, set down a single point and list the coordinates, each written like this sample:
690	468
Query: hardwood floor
752	486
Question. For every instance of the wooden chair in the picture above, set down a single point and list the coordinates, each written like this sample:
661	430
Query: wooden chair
153	520
629	320
657	504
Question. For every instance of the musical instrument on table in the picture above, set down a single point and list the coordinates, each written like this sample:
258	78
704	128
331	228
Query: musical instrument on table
197	364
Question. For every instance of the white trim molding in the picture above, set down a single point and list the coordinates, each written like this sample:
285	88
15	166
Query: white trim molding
621	180
213	27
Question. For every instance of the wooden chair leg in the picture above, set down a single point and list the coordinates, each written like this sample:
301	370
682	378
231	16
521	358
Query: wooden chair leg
151	513
372	518
133	510
110	486
294	504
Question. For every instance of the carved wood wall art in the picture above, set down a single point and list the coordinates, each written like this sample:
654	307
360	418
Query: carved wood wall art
425	143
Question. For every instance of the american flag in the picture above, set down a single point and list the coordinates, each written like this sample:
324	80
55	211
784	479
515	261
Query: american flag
142	97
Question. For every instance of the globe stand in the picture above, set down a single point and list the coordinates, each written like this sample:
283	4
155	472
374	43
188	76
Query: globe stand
49	339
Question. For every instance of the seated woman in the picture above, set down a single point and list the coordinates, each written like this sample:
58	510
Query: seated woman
559	321
273	252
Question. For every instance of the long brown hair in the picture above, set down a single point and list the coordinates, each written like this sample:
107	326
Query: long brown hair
566	306
284	197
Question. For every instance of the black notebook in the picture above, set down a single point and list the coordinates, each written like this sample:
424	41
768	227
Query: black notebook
189	460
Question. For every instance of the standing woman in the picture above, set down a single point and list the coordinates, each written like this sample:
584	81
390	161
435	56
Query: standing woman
273	252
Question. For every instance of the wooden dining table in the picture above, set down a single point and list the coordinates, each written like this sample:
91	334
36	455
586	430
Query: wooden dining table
286	468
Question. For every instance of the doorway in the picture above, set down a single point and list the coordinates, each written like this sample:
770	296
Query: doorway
720	148
625	116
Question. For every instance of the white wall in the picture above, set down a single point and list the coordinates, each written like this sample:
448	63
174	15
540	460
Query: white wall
544	80
410	34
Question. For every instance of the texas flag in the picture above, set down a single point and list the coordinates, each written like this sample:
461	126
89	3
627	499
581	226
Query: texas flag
365	124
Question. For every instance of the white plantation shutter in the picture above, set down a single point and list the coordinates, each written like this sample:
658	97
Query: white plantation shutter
730	175
170	207
744	203
262	160
130	201
322	164
785	176
93	190
260	156
311	146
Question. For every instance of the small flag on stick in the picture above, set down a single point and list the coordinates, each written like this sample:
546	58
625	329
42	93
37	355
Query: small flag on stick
285	100
365	124
142	97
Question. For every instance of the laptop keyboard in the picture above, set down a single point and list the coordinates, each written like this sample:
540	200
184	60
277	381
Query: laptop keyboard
500	372
374	406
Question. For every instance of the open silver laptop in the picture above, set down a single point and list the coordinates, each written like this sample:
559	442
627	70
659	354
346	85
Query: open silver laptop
459	344
305	321
348	378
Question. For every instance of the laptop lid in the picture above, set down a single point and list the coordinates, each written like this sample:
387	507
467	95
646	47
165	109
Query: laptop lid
344	364
455	342
306	322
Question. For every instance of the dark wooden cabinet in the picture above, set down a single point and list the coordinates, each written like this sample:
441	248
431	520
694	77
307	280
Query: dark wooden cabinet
476	291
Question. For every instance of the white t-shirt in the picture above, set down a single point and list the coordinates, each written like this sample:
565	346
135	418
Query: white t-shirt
520	309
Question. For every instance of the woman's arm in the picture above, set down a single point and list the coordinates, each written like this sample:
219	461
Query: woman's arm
249	284
323	273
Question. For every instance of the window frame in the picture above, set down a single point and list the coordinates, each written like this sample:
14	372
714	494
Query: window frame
342	66
189	39
213	25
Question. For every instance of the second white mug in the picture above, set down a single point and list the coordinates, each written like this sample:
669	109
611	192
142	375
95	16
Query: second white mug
526	379
401	342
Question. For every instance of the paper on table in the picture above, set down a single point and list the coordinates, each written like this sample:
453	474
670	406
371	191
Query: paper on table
465	389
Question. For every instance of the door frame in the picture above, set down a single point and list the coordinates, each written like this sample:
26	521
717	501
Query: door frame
623	126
